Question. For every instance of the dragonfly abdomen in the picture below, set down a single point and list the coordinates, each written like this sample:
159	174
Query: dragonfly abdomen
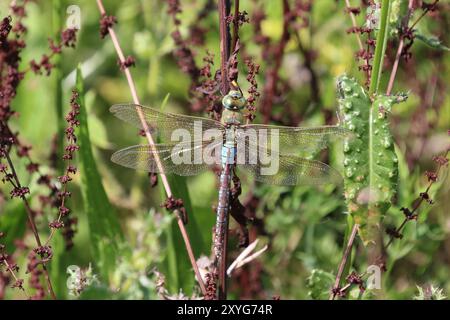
223	203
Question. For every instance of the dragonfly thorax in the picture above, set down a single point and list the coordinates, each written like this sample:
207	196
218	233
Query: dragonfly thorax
230	117
234	101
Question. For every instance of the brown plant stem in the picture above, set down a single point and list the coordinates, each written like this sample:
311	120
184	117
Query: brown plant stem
354	24
225	41
344	259
224	8
235	24
32	224
358	38
151	142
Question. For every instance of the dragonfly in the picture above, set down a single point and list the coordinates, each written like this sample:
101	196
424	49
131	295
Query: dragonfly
269	154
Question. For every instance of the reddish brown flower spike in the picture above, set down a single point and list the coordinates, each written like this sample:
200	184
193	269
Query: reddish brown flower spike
432	176
56	224
19	192
129	62
18	284
32	167
440	160
106	22
394	233
173	204
69	37
353	10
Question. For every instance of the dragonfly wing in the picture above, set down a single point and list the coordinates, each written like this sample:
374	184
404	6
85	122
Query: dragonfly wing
302	141
168	126
174	158
289	170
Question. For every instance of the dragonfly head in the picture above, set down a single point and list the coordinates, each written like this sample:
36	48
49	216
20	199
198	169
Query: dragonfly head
234	101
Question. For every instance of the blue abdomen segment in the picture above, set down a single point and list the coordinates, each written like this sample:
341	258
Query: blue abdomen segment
228	154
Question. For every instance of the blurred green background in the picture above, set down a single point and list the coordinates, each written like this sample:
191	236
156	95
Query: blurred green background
303	226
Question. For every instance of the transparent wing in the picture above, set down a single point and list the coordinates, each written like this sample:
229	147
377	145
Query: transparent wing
273	168
292	140
183	159
164	124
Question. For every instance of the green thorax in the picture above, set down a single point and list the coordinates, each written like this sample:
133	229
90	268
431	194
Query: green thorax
231	117
233	103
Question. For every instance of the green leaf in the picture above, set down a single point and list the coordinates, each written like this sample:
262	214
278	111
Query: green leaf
13	222
398	10
432	42
319	284
370	161
59	262
104	228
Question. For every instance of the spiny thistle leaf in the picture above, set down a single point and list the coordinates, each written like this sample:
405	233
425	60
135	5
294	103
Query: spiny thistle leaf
370	161
430	292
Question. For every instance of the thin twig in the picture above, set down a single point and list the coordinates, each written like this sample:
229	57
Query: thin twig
354	24
225	40
13	274
400	49
344	259
412	213
151	142
235	24
425	11
32	224
402	41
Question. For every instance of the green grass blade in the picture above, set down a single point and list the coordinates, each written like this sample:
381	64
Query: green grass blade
13	222
179	271
57	269
104	227
380	48
57	77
